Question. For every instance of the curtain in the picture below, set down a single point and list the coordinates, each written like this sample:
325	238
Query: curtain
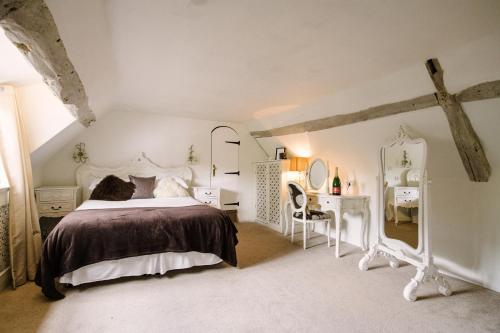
24	229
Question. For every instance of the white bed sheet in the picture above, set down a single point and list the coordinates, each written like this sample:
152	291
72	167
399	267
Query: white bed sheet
136	203
158	263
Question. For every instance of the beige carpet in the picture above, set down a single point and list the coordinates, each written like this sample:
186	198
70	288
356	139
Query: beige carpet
278	288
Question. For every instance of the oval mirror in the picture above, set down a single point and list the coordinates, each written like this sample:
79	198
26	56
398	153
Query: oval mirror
318	174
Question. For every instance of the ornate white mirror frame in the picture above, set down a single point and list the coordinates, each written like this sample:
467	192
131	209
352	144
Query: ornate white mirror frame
396	250
323	187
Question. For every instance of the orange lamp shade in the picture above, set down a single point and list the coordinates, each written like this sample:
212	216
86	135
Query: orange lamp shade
298	164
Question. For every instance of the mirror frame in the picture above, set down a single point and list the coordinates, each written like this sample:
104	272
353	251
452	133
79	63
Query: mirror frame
325	181
394	243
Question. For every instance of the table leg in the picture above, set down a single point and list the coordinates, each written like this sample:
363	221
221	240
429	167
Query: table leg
338	218
363	227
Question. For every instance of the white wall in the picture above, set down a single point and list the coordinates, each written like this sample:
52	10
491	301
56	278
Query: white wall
120	136
43	114
464	215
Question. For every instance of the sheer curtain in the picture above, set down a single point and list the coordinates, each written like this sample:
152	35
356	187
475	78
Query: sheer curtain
24	230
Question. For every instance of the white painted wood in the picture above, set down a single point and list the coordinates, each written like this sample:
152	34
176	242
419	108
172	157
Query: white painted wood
271	192
304	220
140	166
396	250
224	159
337	206
55	201
405	196
207	195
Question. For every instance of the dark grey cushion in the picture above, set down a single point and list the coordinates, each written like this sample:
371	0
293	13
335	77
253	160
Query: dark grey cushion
144	187
312	215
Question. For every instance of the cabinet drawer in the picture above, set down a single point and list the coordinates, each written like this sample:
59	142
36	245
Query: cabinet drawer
54	207
210	202
205	193
55	195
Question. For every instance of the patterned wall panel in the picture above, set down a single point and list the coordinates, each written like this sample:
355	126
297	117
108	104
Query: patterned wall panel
261	174
274	192
4	237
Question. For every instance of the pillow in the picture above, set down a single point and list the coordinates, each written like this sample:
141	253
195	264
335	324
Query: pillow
112	188
144	187
181	182
169	188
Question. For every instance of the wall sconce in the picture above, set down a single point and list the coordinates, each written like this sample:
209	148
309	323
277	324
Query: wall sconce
80	155
191	158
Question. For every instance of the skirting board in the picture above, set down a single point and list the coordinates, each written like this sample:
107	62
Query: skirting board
4	278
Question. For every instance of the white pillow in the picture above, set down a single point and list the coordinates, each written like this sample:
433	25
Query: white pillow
169	187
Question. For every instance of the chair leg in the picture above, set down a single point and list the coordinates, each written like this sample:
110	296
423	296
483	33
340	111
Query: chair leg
305	235
328	232
293	230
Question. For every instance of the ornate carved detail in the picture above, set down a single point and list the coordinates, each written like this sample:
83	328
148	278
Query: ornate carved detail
429	273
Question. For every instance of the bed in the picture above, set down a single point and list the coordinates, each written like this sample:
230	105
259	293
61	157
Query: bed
103	240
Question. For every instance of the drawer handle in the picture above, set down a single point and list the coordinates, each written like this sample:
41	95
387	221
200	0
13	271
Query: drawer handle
328	202
208	193
55	208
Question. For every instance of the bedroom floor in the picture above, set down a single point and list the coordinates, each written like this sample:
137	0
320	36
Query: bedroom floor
278	287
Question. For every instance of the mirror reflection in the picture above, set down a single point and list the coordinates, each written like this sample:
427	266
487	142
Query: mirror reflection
317	174
402	165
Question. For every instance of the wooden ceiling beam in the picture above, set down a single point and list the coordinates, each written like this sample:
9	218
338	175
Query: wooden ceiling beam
469	147
31	27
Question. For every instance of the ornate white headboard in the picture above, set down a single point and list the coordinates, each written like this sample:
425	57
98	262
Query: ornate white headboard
141	166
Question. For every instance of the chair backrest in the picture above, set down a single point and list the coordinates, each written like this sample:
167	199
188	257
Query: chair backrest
297	197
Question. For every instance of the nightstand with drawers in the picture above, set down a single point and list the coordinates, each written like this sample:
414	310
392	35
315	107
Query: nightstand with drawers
207	195
54	202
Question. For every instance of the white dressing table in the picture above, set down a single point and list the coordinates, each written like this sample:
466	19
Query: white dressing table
337	205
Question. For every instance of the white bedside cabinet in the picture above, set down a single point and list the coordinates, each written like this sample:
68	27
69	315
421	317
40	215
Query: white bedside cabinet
56	201
207	195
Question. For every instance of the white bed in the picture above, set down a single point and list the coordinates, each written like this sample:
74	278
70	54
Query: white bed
139	265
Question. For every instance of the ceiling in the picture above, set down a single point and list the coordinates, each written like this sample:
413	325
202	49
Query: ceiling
14	68
235	60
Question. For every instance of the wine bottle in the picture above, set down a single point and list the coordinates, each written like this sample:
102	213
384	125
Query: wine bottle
336	183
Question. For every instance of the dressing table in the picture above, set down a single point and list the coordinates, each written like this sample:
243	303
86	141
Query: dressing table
337	205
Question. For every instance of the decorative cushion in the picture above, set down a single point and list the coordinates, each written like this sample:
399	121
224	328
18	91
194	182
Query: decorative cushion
169	188
112	188
144	187
312	215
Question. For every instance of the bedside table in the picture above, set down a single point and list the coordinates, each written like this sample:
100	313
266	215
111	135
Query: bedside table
207	195
57	201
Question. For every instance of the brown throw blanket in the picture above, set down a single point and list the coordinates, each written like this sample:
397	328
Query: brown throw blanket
89	236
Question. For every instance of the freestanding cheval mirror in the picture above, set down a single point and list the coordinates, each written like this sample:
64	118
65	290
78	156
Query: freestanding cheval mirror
403	223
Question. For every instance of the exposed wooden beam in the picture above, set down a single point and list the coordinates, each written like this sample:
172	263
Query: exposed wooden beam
480	91
469	147
385	110
31	27
485	90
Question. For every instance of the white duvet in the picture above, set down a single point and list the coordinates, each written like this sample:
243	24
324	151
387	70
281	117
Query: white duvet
136	203
146	264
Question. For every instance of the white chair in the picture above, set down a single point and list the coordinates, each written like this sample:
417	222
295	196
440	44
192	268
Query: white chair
301	214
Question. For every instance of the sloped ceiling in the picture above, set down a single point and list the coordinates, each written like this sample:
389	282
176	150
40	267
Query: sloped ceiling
233	60
14	68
